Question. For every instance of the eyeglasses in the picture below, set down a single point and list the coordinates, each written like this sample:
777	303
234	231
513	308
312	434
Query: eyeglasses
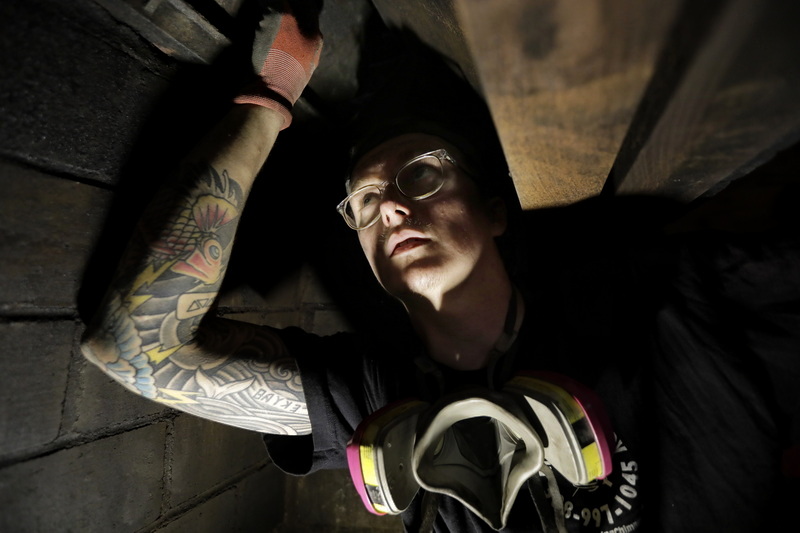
421	177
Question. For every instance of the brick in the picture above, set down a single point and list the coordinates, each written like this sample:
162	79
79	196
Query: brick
327	501
230	6
284	295
77	87
173	26
313	291
260	499
253	504
206	454
437	25
328	322
96	401
35	366
49	227
216	514
113	484
336	78
280	319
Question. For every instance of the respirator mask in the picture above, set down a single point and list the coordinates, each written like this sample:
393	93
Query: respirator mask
480	446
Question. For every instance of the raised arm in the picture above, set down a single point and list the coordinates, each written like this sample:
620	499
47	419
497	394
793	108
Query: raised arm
151	333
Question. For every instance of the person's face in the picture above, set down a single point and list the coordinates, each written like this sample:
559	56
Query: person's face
427	246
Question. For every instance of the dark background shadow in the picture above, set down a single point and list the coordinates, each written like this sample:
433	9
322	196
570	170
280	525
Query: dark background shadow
290	218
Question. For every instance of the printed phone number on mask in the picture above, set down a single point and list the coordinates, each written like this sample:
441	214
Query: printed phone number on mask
627	492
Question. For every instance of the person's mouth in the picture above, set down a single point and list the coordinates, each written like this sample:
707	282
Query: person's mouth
408	244
404	241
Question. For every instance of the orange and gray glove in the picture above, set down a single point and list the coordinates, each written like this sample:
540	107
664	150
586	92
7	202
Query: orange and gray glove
284	57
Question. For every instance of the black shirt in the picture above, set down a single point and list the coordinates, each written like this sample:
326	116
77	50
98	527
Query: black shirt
694	350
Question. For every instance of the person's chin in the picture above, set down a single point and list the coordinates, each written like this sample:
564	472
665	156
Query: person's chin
415	279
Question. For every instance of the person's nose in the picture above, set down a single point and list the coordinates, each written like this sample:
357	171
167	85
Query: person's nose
395	208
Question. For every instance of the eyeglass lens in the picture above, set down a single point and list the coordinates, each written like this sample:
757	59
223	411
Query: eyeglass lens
416	180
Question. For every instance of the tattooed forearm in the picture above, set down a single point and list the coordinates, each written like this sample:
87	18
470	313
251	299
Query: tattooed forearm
191	229
233	373
157	304
264	397
256	387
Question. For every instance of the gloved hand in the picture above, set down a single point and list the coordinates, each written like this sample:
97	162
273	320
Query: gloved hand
284	57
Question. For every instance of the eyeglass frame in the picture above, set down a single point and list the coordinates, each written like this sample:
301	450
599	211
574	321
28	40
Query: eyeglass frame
440	153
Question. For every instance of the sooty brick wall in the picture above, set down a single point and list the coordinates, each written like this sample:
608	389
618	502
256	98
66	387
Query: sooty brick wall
89	114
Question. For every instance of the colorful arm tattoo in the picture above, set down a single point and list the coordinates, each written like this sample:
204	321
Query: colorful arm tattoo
228	371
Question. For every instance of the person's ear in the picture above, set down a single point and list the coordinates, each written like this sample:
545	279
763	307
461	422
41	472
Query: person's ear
498	216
